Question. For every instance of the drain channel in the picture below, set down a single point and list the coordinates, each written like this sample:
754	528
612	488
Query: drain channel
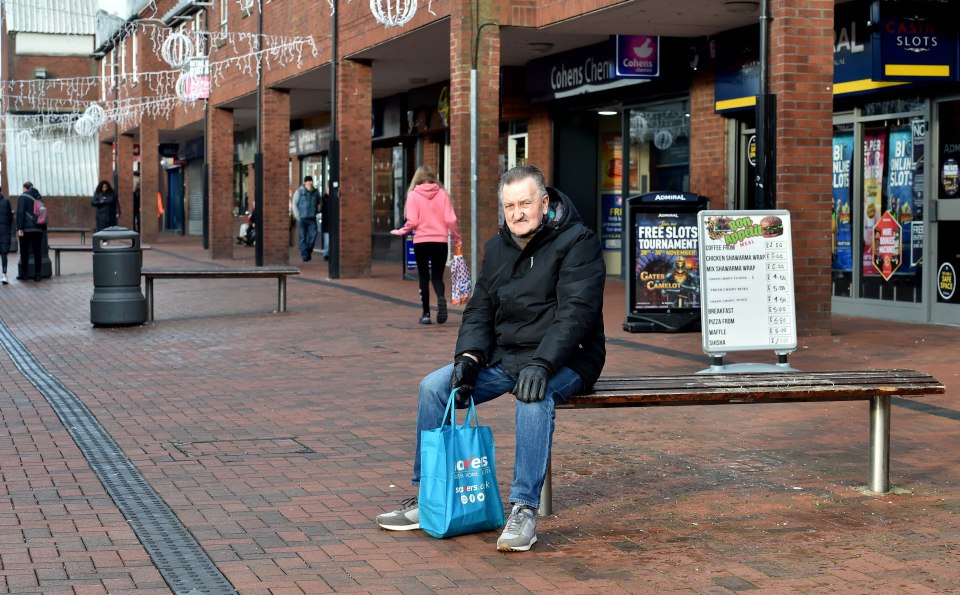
184	565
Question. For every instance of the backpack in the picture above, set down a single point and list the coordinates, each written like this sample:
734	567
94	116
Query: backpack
39	211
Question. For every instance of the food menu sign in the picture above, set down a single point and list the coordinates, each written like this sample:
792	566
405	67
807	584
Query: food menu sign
746	276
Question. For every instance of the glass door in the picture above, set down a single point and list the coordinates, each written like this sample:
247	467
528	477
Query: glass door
945	220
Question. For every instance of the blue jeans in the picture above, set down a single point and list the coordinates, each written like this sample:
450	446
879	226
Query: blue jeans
308	236
534	422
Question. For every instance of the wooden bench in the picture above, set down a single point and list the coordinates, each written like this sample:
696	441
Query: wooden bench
81	230
876	386
280	273
58	248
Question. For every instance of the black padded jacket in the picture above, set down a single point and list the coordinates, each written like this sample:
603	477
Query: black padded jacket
542	303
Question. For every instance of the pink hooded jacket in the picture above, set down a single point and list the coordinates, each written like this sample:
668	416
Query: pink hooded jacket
429	215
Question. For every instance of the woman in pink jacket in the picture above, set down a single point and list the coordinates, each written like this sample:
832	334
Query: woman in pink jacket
430	216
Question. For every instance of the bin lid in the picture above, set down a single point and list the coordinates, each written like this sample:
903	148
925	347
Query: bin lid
115	239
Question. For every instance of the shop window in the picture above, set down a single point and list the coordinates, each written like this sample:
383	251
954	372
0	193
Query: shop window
890	234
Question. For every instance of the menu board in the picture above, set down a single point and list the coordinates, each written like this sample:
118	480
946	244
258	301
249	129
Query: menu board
746	278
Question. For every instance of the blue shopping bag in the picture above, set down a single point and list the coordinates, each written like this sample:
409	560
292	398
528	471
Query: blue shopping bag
458	479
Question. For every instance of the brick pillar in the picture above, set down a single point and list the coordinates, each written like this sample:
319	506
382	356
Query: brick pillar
125	180
801	76
275	135
540	141
149	180
219	149
354	97
462	33
708	165
105	164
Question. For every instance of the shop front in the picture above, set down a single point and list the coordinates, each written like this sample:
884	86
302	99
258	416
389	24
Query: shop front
620	128
895	212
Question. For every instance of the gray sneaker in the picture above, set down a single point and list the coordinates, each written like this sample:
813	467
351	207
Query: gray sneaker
405	518
520	532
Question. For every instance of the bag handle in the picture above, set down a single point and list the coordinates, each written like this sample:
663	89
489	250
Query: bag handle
450	414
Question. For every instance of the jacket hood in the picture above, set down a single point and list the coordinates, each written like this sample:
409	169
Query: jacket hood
428	191
561	213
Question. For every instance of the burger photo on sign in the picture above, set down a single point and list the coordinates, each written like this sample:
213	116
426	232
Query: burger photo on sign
772	226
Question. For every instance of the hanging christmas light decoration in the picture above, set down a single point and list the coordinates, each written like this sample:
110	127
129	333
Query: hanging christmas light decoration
96	115
663	139
58	147
84	126
393	13
188	87
177	50
24	137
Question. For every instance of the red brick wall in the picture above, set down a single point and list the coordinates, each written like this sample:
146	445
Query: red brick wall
354	97
801	75
275	138
708	156
540	141
149	181
220	170
125	180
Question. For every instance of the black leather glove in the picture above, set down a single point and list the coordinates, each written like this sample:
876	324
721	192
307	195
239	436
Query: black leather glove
532	383
464	377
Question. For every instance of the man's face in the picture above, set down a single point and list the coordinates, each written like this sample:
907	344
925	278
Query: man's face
308	184
523	207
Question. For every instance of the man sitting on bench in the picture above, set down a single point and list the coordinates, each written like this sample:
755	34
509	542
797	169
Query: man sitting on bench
534	327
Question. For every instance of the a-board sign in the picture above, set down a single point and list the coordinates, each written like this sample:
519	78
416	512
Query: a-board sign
746	278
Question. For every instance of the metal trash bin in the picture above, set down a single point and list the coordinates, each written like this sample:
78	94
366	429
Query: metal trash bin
117	262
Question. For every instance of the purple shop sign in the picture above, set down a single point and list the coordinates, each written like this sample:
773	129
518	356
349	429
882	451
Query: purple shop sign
638	56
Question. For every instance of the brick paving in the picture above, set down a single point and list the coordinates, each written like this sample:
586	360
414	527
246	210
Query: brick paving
277	439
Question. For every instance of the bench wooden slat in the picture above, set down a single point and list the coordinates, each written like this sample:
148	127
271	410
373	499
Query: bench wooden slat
224	273
637	391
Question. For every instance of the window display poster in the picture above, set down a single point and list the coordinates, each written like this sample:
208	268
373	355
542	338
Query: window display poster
919	128
874	143
841	221
668	272
611	162
948	262
950	169
887	246
611	221
900	204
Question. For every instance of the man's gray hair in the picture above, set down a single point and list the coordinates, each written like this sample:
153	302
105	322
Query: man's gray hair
519	173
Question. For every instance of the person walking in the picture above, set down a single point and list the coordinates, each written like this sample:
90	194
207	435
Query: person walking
430	216
105	200
306	205
136	208
533	327
6	232
30	232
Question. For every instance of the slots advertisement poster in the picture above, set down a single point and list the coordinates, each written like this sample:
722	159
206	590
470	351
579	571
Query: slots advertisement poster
668	269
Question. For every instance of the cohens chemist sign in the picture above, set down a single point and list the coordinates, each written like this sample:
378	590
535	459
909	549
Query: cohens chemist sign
588	72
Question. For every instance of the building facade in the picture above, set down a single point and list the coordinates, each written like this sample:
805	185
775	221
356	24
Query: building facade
251	96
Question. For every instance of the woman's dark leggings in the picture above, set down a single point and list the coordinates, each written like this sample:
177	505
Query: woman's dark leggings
3	260
431	260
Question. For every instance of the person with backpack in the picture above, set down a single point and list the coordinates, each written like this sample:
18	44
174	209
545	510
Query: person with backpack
306	204
31	223
6	229
105	199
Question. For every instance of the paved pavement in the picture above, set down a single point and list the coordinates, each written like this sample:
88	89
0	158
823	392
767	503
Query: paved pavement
277	438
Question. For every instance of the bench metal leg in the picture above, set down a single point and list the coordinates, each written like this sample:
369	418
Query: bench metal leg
56	263
546	492
282	294
149	284
879	444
